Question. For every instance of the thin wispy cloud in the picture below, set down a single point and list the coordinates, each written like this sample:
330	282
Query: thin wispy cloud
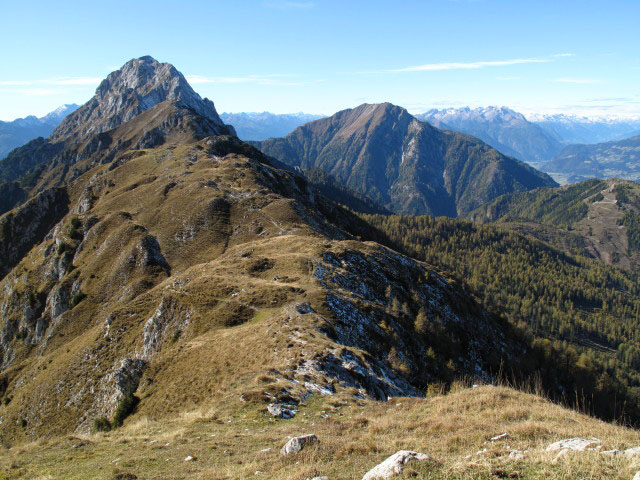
288	4
610	99
52	81
577	80
40	92
276	79
435	67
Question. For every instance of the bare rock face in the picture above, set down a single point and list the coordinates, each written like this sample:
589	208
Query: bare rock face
281	411
394	465
165	318
576	444
27	225
296	444
141	84
632	452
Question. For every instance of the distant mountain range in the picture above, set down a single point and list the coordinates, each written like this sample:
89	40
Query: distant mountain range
18	132
570	129
403	164
565	146
263	125
603	160
504	129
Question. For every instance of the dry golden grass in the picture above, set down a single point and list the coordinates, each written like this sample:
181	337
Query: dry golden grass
244	266
235	441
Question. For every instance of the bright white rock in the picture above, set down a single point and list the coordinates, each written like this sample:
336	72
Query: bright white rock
577	444
394	465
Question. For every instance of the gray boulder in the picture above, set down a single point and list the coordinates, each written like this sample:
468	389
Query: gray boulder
394	465
281	411
296	444
632	452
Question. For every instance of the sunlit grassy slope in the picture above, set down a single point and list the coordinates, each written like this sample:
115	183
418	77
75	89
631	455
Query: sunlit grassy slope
238	441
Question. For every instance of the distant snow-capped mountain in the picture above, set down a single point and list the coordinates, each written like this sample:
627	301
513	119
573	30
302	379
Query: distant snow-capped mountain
262	125
501	127
570	129
18	132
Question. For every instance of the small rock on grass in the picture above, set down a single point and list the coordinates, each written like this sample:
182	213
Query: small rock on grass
394	465
296	444
124	476
281	411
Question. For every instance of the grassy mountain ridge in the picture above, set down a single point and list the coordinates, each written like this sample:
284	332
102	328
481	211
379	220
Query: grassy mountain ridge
185	270
175	254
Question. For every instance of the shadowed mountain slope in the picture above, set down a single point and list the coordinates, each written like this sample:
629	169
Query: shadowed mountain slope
403	164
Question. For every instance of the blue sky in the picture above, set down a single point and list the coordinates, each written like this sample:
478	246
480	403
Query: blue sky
322	56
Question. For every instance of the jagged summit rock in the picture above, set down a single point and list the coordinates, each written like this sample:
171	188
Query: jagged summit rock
140	85
143	104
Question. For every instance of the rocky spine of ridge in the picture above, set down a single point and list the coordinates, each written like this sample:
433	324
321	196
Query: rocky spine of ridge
405	165
178	267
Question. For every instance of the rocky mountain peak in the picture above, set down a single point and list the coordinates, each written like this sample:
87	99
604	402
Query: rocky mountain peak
141	84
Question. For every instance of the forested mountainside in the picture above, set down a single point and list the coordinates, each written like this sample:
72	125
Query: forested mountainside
595	218
578	310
